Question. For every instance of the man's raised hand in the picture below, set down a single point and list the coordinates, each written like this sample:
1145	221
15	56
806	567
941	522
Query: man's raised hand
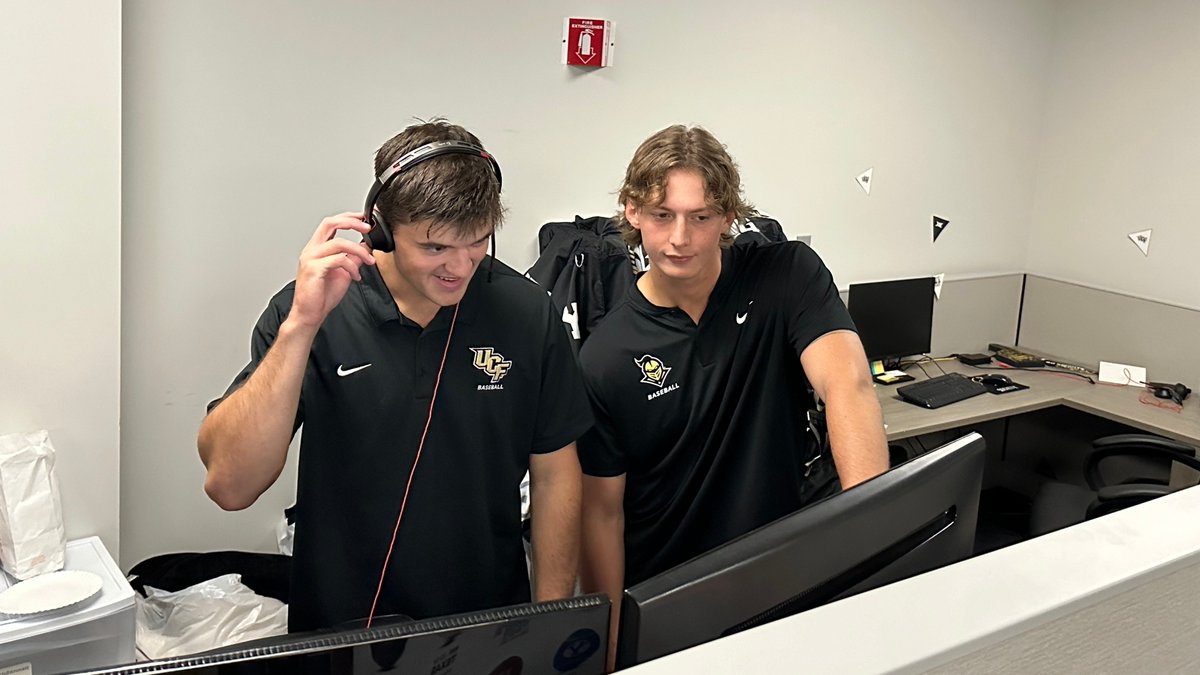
327	266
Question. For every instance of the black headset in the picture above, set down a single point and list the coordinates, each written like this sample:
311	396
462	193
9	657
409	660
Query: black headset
380	237
1176	392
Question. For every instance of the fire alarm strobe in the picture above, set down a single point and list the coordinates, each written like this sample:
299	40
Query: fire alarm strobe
587	42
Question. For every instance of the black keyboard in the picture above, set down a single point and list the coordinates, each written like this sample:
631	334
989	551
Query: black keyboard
941	390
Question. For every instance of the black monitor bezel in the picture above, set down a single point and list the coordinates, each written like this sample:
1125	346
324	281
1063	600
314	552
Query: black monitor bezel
915	308
315	642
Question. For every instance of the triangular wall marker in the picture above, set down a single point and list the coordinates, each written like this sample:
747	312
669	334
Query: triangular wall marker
864	180
939	226
1142	240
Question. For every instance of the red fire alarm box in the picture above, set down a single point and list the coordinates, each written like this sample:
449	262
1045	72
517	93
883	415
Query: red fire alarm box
587	42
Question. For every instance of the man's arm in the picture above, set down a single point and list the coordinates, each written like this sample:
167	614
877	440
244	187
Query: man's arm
836	366
243	442
554	486
603	563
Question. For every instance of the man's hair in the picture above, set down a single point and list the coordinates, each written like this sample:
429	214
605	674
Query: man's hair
454	191
680	147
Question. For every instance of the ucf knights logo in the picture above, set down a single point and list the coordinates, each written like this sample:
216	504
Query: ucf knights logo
654	371
491	362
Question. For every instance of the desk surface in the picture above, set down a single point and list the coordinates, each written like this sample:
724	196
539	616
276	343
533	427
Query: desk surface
1046	390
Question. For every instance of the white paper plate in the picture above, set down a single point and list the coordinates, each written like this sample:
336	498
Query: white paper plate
51	591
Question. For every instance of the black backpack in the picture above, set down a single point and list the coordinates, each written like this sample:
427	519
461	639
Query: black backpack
759	227
585	267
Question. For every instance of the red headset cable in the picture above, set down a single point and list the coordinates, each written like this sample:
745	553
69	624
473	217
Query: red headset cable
413	472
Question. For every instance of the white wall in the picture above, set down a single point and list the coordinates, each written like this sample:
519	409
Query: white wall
246	123
60	225
1119	150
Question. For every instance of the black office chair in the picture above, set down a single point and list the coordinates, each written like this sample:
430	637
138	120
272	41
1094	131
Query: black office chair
1058	505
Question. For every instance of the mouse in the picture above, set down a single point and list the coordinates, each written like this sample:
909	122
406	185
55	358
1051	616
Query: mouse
995	380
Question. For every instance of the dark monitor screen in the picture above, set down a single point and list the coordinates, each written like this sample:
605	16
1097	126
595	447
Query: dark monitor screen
550	637
893	318
916	517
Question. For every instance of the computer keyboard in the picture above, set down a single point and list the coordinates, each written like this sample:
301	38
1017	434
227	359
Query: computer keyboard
941	390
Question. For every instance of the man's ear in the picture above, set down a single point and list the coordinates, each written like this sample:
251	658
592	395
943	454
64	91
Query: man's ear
631	214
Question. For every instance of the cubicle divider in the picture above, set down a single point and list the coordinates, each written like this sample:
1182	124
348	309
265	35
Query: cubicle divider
974	312
1150	625
1088	324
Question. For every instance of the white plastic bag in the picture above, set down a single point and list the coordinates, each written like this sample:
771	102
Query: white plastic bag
216	613
32	538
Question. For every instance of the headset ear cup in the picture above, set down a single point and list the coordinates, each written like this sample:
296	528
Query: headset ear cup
379	237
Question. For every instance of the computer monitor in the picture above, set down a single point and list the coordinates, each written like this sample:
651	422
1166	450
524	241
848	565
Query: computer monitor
916	517
552	637
894	318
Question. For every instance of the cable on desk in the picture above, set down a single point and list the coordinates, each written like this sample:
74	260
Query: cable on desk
1047	371
918	364
1148	398
1055	371
926	359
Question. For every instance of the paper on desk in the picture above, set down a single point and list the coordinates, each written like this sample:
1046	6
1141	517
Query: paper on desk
32	538
1119	373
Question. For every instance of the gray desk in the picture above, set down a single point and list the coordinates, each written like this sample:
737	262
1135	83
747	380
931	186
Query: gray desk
1046	390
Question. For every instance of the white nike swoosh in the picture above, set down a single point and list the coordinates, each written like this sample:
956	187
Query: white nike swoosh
342	372
741	318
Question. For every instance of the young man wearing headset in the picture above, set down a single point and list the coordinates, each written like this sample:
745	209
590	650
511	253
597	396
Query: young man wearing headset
700	380
426	389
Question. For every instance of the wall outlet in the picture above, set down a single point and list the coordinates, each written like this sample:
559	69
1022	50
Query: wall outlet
806	238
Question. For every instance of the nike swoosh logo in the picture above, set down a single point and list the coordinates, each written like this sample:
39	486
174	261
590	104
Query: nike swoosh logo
741	318
342	372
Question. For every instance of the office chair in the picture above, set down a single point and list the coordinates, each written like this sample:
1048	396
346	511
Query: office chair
1058	505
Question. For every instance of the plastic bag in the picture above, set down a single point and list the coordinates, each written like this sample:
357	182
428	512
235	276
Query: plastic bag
32	538
209	615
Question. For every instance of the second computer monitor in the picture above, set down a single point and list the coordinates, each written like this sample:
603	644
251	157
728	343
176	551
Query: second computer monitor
917	517
894	318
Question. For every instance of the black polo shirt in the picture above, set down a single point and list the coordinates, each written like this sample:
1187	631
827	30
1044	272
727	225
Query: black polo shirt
511	387
707	421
